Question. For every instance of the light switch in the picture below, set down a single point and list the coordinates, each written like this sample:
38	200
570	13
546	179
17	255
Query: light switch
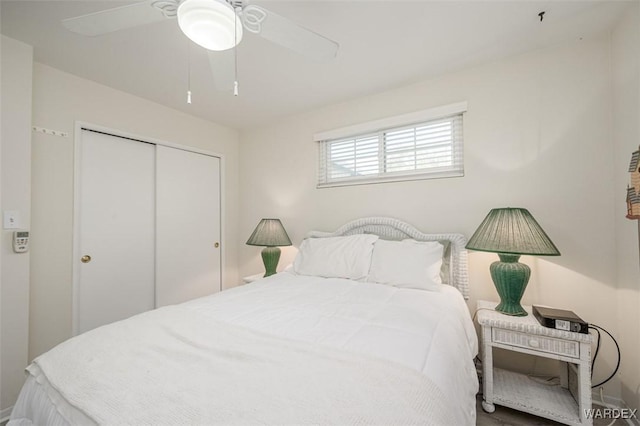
11	219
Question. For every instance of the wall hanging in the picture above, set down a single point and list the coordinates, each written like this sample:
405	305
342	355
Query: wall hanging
633	190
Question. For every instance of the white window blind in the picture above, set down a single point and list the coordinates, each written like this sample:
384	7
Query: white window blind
423	150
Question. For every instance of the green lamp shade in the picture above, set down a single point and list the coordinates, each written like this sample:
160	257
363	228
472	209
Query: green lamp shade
511	232
269	233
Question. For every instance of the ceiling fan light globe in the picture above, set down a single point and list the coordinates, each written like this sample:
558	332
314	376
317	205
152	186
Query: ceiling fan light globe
212	24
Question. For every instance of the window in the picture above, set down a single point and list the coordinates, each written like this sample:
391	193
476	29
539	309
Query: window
425	149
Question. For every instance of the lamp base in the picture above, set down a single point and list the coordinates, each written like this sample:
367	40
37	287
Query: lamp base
270	258
510	278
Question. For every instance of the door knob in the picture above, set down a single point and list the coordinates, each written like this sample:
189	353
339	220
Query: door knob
217	244
85	259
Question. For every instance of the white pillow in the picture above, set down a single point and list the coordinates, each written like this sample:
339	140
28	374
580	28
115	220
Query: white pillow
407	264
335	257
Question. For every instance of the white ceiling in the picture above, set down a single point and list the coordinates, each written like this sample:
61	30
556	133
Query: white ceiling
383	44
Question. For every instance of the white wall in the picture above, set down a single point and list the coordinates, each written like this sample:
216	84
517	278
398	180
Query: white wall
626	138
15	190
537	135
59	100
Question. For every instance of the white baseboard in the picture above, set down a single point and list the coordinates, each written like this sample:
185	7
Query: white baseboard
5	414
611	402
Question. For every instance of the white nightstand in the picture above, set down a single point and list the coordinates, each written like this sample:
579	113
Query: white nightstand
520	392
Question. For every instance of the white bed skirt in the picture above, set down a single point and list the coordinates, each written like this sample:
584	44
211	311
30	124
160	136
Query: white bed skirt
40	404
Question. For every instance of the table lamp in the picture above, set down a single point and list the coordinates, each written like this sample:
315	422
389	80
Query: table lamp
511	232
271	234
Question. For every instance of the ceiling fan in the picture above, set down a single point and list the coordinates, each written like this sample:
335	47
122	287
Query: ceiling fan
216	25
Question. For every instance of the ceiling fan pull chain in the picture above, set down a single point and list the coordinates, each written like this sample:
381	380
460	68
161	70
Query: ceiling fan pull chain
238	11
188	72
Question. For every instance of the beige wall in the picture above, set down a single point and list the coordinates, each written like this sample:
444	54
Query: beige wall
537	135
626	137
59	100
15	192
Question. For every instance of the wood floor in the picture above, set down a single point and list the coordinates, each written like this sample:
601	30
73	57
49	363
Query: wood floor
507	417
504	416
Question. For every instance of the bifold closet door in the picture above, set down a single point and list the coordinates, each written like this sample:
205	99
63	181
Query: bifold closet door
115	245
188	252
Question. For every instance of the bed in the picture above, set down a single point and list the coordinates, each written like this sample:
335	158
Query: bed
351	333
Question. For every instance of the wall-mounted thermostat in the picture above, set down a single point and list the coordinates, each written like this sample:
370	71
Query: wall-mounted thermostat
20	241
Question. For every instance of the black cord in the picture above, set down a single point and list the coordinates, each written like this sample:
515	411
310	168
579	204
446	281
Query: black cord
595	355
595	327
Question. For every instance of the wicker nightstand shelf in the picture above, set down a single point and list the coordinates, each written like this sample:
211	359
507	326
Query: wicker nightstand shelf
567	403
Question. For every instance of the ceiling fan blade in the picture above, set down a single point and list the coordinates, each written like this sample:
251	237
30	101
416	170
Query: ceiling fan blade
284	32
119	18
223	69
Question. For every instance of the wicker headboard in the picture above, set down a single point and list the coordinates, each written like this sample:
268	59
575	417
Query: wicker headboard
393	229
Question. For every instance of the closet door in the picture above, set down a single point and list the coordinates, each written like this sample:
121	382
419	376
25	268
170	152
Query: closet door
188	252
115	241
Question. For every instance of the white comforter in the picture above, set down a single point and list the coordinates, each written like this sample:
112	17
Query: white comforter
294	321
